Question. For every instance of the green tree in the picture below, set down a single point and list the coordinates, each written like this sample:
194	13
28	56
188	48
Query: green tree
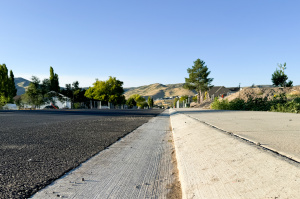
183	98
107	91
54	83
7	85
75	93
138	101
279	78
194	99
33	95
175	101
12	91
3	84
150	102
198	79
130	102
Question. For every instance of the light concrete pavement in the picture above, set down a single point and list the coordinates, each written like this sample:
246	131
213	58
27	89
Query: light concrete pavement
277	131
140	165
213	164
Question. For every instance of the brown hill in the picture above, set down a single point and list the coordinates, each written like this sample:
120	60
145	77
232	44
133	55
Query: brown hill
154	90
159	90
21	84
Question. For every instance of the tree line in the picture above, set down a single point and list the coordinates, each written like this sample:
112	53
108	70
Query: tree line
198	79
7	85
109	91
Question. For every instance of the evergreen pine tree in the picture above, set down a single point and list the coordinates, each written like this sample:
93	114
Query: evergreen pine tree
198	79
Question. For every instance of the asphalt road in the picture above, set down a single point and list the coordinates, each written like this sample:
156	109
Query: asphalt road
37	147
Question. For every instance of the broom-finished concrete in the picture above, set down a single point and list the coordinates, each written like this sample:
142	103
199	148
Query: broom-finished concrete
213	164
140	165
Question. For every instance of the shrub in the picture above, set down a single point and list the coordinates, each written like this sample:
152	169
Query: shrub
77	105
220	104
278	104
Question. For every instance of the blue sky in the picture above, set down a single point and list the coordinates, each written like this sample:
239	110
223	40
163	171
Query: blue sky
145	42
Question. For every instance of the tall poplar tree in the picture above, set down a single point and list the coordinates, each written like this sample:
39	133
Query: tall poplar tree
12	91
7	85
198	79
54	84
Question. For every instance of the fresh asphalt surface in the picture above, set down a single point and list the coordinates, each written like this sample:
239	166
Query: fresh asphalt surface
37	147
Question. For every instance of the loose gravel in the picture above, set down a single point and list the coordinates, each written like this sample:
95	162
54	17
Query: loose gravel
37	147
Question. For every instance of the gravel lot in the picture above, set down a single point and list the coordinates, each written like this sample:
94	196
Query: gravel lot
37	147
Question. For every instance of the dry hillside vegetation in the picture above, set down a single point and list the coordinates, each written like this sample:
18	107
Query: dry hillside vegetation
268	93
254	93
159	91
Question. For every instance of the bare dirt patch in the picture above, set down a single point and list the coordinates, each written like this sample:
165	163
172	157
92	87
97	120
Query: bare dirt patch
175	192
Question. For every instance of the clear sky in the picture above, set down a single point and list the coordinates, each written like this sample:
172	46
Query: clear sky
143	42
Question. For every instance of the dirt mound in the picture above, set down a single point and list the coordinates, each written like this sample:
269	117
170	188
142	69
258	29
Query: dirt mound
204	105
254	93
268	93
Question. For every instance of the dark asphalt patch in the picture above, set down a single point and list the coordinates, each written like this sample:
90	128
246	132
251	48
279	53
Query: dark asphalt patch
37	147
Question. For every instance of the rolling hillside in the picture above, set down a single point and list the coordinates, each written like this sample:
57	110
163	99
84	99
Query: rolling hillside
159	90
21	84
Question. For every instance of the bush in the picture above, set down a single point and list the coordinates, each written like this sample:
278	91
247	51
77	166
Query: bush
220	104
277	104
290	106
77	105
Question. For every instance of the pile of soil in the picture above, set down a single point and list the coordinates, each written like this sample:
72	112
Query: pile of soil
204	105
256	92
268	93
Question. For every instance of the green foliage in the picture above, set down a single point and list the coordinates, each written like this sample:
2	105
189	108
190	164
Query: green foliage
194	99
292	106
279	78
33	95
12	91
130	102
279	103
7	85
75	94
150	102
107	91
220	104
143	105
54	83
175	101
136	100
77	105
198	79
183	98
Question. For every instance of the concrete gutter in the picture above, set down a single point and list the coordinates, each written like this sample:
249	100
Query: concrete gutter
138	166
213	164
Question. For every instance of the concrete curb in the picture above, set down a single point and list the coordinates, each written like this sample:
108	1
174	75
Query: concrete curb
215	165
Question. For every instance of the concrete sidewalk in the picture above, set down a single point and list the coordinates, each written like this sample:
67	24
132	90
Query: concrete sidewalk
140	165
213	164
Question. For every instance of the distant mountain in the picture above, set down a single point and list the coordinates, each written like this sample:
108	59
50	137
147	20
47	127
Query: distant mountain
154	90
159	90
21	84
